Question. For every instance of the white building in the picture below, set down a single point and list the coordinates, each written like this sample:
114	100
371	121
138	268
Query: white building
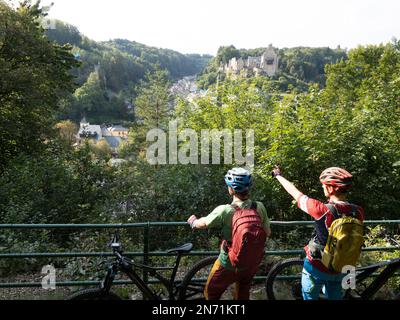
113	135
89	131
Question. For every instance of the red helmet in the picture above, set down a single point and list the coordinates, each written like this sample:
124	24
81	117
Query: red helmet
336	177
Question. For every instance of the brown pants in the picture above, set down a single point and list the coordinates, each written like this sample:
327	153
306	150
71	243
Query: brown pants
220	279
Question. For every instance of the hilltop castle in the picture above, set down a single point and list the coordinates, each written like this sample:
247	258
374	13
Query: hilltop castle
266	64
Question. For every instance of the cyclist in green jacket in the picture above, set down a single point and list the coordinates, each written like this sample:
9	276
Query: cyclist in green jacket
223	273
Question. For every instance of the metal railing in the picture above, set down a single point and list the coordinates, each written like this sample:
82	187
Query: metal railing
145	253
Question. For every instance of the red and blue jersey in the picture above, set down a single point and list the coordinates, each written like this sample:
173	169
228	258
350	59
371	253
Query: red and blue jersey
323	220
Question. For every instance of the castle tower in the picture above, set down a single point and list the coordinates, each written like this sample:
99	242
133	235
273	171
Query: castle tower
269	61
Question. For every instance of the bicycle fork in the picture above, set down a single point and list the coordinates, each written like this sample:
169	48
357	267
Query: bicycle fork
109	279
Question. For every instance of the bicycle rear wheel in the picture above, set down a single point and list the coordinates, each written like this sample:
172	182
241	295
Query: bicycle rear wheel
284	280
193	284
93	294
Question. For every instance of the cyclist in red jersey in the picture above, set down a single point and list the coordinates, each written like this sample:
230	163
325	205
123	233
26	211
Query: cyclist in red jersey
335	183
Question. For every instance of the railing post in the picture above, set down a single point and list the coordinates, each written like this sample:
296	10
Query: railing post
146	251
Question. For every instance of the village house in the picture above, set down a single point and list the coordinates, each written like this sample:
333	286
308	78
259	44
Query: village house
118	131
113	135
89	131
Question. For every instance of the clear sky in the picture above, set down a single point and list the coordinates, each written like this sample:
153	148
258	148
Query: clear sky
201	26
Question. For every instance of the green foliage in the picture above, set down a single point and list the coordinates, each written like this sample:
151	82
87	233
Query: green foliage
34	76
353	122
168	193
179	190
119	65
90	96
59	186
378	236
67	131
64	33
308	64
298	67
224	54
153	106
177	64
153	102
101	150
54	188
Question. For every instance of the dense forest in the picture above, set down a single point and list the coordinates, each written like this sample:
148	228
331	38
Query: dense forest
110	72
343	109
298	67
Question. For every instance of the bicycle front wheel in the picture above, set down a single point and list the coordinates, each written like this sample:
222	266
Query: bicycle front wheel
194	282
284	280
93	294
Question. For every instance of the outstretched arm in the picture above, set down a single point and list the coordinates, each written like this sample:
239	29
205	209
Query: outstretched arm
289	187
197	223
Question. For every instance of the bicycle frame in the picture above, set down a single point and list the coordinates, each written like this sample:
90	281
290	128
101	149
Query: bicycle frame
390	267
128	268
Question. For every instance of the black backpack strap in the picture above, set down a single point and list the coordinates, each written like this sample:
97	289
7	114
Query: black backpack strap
337	215
354	210
333	210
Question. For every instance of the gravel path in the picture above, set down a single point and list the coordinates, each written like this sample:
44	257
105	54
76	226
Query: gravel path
31	293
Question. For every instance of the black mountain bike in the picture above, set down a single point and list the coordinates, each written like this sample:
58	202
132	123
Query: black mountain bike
191	287
175	289
284	280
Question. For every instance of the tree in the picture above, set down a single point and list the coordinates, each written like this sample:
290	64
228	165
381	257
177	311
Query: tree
90	98
224	54
152	106
64	33
34	75
67	131
101	149
153	103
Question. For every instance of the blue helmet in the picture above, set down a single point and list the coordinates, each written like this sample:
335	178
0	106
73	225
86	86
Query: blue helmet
239	179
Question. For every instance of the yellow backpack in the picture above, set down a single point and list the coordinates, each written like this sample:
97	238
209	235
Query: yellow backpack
345	240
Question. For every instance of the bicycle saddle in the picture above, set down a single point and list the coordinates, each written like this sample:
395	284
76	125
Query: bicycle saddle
182	249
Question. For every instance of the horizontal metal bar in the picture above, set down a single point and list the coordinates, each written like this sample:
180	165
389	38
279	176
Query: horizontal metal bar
156	253
294	277
90	226
382	222
98	254
127	282
301	251
65	283
391	248
155	224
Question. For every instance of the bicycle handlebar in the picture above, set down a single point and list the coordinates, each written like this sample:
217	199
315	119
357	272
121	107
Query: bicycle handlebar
115	244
